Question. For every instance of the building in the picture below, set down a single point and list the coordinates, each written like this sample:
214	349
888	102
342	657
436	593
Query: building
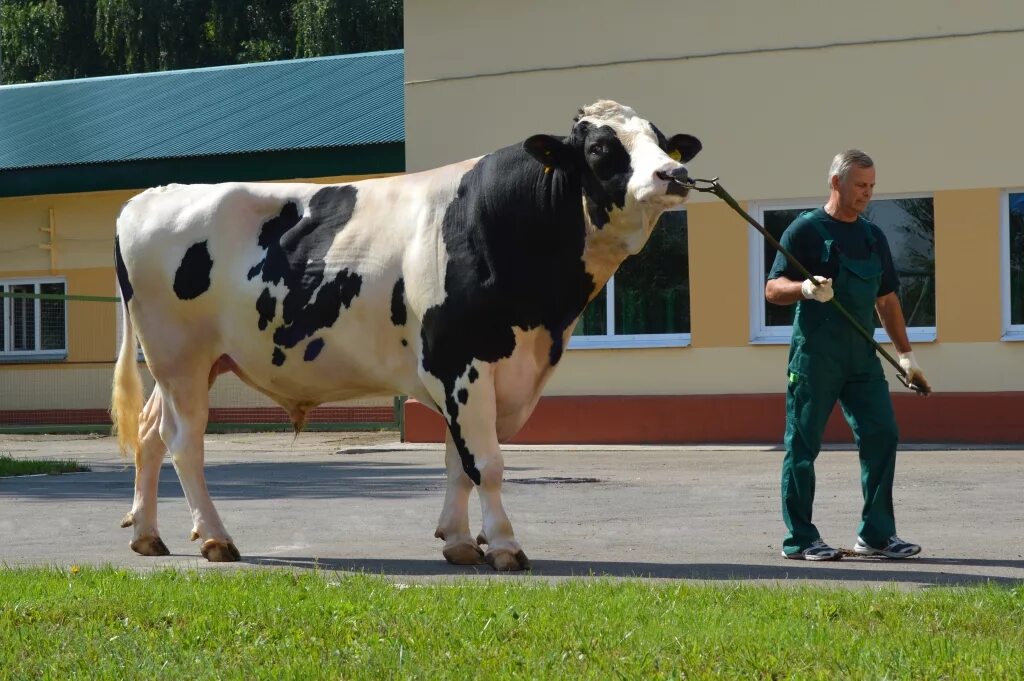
71	154
773	90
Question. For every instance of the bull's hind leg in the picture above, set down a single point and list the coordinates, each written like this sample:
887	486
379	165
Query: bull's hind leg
148	459
453	525
182	425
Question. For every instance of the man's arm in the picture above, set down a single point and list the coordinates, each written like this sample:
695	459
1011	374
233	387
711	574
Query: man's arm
891	313
785	291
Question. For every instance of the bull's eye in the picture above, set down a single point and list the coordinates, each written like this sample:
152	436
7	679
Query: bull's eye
596	149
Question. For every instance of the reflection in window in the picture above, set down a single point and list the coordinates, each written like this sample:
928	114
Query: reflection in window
1016	253
909	227
651	290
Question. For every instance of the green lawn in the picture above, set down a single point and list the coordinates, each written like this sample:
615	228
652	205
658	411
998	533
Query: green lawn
10	466
262	624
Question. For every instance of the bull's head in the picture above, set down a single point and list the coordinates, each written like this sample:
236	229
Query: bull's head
629	171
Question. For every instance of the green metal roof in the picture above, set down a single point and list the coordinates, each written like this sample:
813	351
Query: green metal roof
303	104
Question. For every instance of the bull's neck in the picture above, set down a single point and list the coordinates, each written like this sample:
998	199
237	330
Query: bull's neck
606	247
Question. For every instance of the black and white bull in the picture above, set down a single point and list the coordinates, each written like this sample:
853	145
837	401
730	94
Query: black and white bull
459	286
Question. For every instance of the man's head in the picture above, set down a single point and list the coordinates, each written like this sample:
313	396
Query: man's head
851	181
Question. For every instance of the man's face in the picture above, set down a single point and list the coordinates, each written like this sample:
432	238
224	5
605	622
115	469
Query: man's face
856	190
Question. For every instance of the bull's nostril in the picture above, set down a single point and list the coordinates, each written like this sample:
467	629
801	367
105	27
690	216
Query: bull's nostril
679	174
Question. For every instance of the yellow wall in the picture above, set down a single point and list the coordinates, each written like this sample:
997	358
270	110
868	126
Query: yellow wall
967	250
773	90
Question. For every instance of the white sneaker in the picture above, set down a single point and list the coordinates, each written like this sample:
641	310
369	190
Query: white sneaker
818	550
896	548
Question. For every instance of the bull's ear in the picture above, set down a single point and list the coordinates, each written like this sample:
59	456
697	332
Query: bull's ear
684	147
550	150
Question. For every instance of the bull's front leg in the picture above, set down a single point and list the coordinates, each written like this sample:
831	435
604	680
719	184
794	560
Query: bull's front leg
471	414
453	525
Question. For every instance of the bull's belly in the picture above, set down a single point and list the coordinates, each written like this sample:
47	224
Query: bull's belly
348	364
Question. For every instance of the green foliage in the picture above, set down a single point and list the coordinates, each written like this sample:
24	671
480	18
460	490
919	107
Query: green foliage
87	623
30	37
338	26
10	466
48	39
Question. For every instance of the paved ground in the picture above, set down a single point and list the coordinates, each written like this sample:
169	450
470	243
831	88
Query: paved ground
364	502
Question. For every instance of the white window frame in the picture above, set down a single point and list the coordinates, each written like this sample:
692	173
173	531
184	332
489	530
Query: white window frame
6	353
781	335
1011	332
613	340
637	340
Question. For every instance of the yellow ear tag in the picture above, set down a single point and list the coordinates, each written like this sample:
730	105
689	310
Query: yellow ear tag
675	155
547	169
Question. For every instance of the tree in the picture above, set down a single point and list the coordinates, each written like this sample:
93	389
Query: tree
30	37
48	39
344	26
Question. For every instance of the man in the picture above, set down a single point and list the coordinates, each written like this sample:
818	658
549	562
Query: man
830	361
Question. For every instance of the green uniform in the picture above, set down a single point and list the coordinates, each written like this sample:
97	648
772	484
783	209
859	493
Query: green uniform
830	361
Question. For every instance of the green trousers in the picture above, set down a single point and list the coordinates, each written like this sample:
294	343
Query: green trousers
865	400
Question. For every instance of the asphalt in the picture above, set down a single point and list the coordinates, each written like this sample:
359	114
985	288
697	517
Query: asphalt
364	502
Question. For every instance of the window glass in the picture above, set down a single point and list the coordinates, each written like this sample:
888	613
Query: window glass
651	290
909	227
52	317
23	319
1016	255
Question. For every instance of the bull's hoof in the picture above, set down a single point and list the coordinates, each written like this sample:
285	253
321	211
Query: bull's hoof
505	560
128	520
150	546
463	554
217	551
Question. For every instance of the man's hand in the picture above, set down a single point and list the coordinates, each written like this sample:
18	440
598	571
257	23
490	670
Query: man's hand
822	292
915	376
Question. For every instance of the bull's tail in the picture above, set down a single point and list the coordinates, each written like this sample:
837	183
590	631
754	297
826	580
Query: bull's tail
126	396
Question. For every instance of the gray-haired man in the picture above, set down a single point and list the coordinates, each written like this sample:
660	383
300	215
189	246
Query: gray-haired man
830	361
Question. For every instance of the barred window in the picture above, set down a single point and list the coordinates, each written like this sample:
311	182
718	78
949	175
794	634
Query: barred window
34	318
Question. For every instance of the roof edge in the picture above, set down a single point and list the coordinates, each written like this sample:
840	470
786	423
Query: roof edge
201	69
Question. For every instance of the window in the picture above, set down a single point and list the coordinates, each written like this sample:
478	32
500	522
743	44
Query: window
1013	266
647	302
32	326
908	224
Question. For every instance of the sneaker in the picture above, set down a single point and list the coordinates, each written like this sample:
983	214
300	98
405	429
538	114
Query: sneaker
896	548
818	550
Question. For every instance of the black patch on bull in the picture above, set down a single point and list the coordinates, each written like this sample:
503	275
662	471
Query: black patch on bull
398	303
463	395
193	276
609	163
278	357
313	349
295	248
473	374
514	235
122	272
266	305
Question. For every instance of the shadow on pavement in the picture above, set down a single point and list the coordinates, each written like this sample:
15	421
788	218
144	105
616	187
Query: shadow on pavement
699	571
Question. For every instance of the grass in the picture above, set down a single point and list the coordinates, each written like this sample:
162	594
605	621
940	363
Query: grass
105	623
10	466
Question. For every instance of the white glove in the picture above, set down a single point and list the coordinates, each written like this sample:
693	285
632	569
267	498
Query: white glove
914	373
822	292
